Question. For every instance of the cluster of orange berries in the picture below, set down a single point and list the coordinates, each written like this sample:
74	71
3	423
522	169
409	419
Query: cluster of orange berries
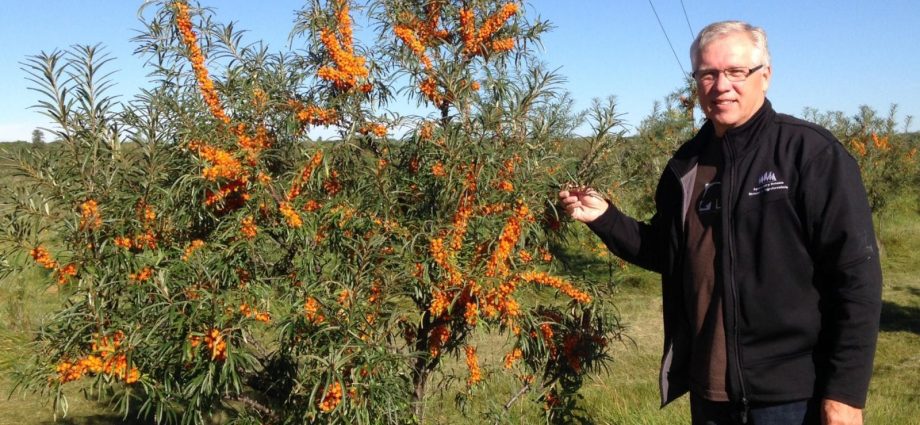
506	173
313	115
311	205
474	41
377	129
471	313
438	170
249	312
472	363
382	163
443	297
300	180
193	246
248	227
64	274
259	98
464	212
141	276
90	219
525	256
312	311
439	304
513	357
426	130
376	293
497	265
214	341
442	258
408	36
545	255
547	331
429	88
505	186
331	398
223	164
880	142
140	241
43	258
500	301
348	67
146	213
226	167
205	85
332	185
105	359
859	147
252	145
437	338
566	288
233	193
492	209
344	298
418	36
291	217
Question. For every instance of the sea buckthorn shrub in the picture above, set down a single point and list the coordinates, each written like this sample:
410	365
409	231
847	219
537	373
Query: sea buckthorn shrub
212	255
887	157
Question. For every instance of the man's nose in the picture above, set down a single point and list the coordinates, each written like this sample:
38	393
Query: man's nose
722	83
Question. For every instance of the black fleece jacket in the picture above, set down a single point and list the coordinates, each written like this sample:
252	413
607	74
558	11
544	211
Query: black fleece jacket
799	262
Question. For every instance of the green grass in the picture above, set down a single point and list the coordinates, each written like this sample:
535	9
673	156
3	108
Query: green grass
626	394
895	388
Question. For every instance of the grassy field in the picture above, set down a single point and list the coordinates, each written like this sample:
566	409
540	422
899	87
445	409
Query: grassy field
626	394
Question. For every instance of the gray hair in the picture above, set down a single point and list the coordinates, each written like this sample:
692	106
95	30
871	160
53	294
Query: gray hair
717	30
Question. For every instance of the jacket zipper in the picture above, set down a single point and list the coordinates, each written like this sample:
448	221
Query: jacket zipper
730	173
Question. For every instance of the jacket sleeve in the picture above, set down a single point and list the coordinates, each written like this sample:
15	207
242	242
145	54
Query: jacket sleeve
641	243
838	223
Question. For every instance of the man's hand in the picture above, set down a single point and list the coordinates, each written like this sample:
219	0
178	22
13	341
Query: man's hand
584	205
837	413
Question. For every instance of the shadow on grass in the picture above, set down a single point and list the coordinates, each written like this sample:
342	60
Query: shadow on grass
897	318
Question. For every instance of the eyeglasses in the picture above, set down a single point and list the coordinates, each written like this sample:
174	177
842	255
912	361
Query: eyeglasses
734	75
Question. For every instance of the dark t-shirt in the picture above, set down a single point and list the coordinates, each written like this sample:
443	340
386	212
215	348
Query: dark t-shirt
703	287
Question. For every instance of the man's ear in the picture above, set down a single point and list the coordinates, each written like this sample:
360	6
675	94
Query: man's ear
767	73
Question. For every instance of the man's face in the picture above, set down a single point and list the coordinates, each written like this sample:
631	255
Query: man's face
730	104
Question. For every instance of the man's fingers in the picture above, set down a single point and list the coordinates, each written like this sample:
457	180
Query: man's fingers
573	207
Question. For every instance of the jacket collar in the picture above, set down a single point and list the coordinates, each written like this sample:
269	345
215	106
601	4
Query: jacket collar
740	139
743	138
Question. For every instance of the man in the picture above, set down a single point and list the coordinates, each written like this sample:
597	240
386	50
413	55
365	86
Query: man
763	236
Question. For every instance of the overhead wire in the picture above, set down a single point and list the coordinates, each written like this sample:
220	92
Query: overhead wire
681	65
692	34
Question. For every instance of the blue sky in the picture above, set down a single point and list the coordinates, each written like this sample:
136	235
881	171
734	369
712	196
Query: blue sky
831	55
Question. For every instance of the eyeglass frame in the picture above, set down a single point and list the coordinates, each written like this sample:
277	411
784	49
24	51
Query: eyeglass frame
714	73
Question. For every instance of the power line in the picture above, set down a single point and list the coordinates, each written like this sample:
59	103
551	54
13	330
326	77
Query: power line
692	34
683	72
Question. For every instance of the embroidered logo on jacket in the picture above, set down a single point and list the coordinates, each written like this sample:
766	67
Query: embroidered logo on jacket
768	182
